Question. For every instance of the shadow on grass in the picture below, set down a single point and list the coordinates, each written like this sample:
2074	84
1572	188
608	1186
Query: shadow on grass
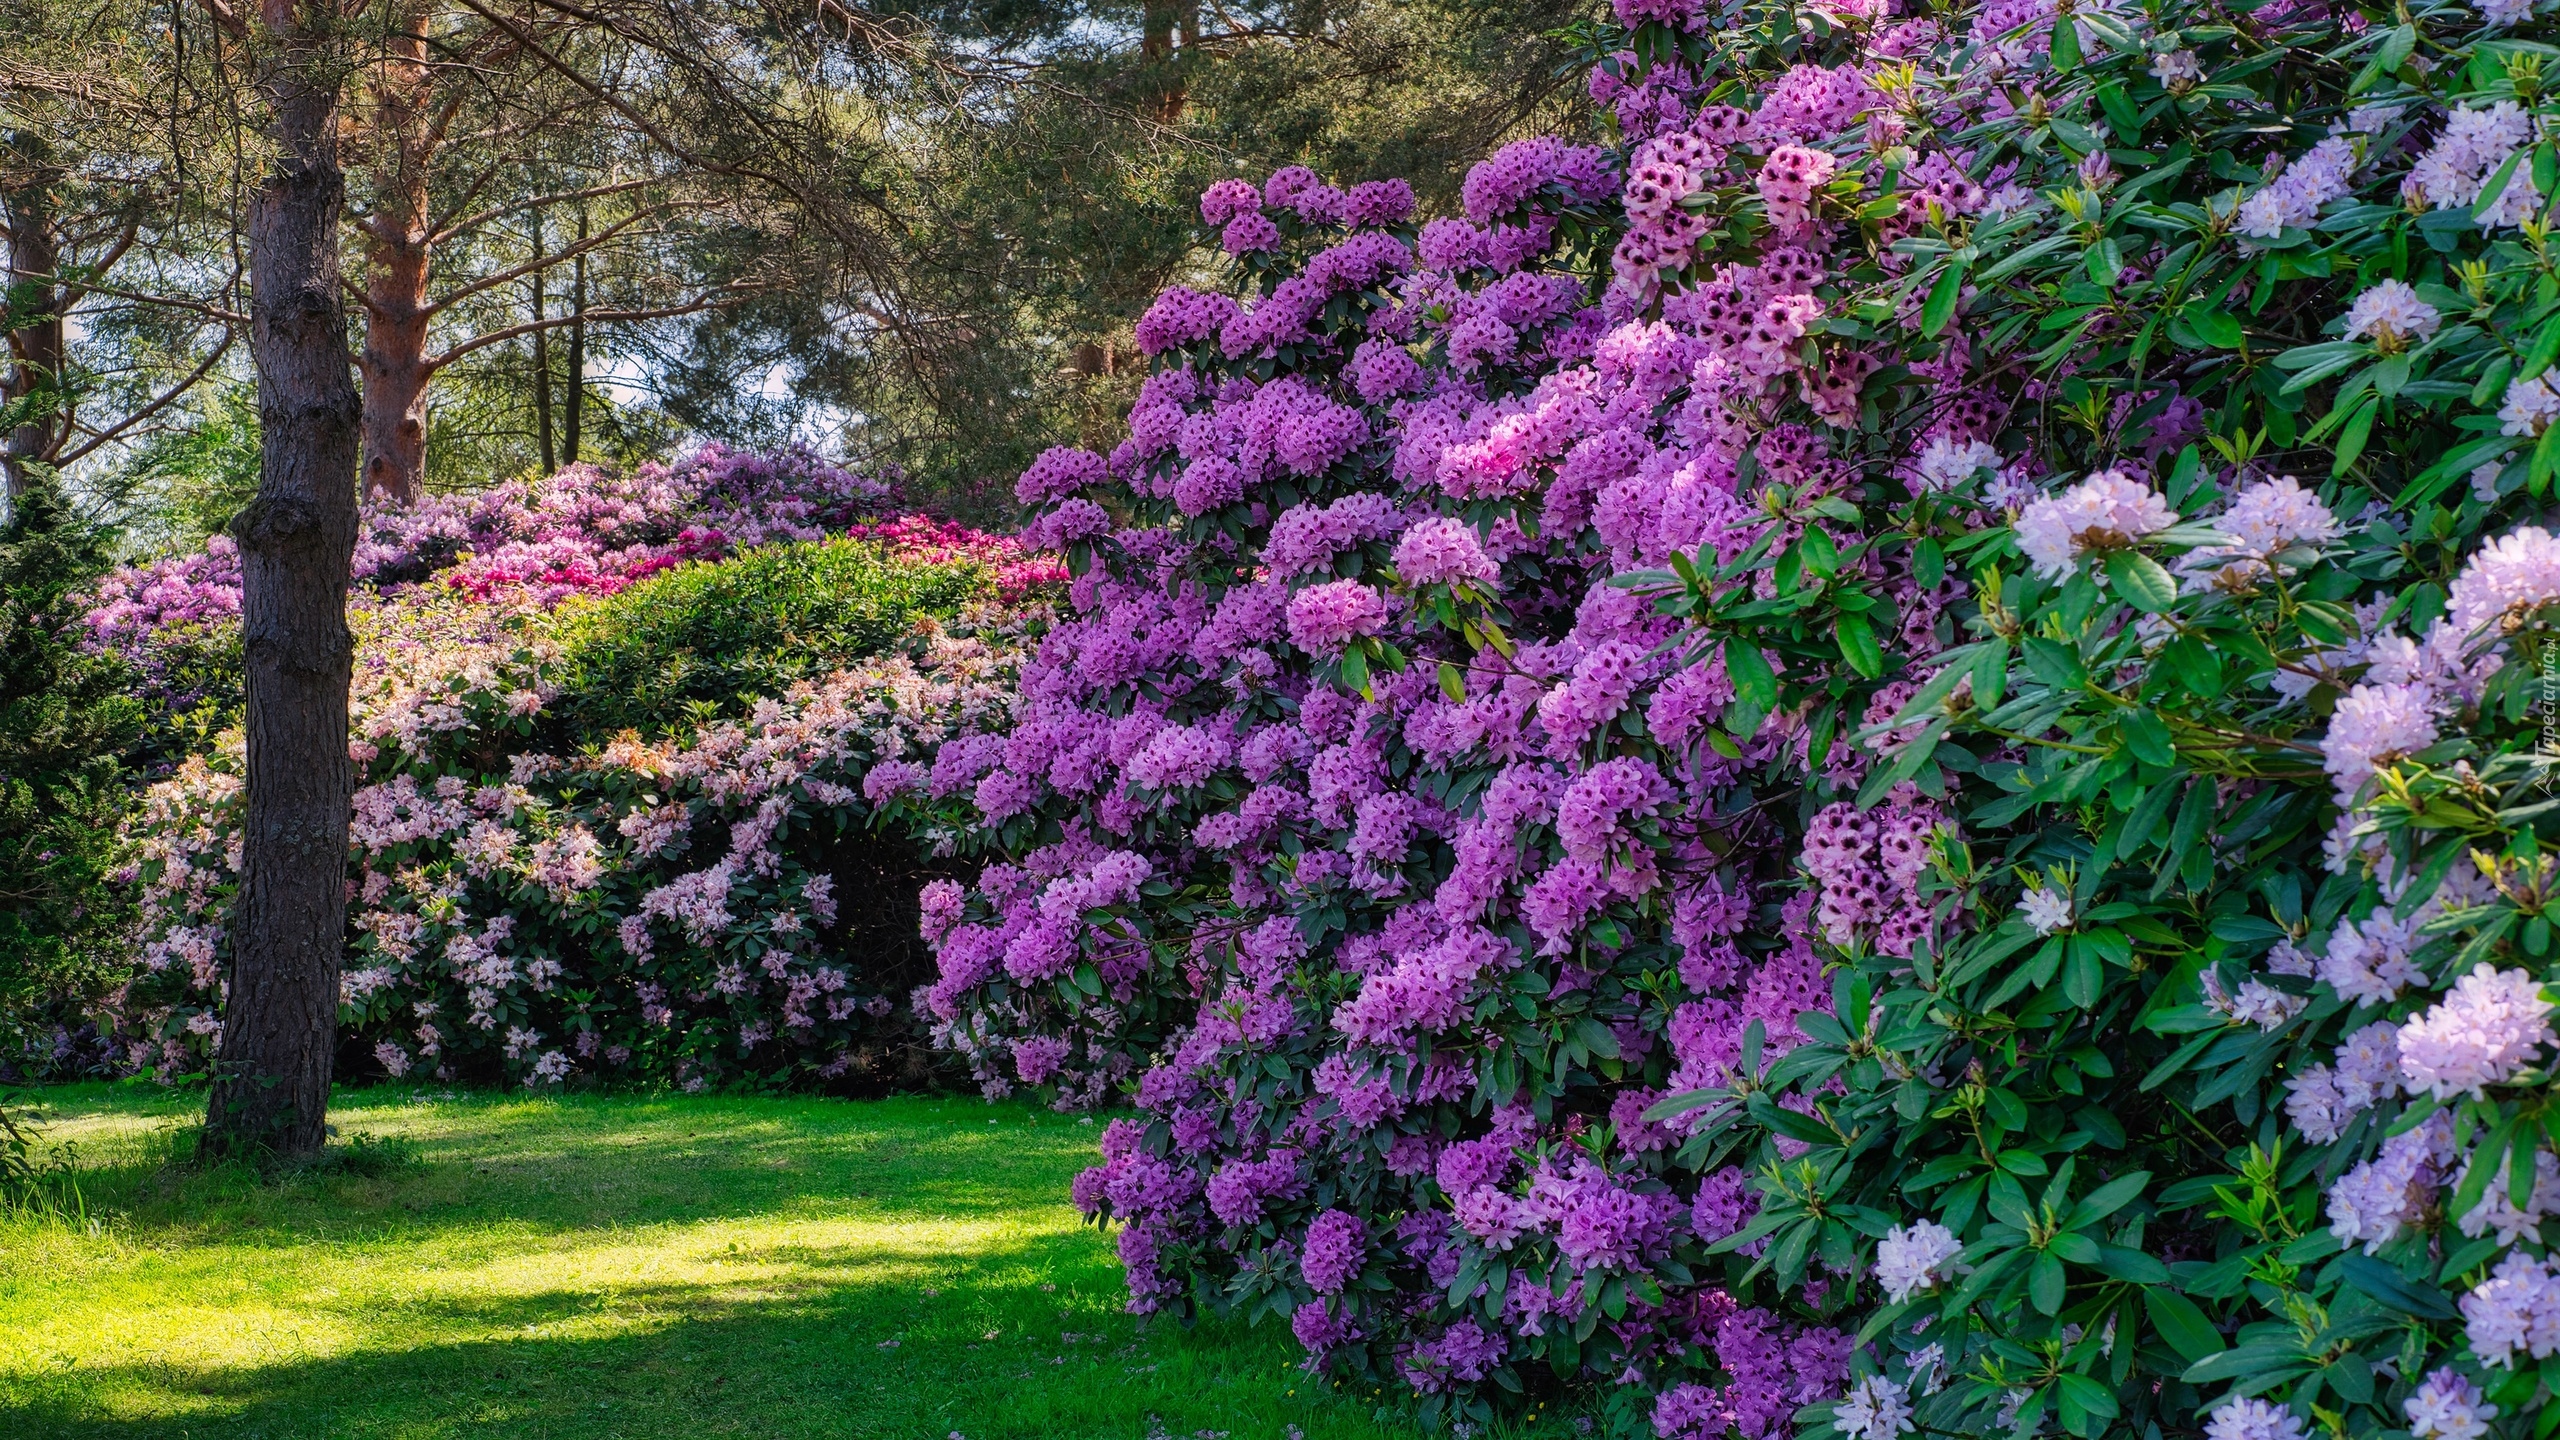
585	1162
616	1266
841	1357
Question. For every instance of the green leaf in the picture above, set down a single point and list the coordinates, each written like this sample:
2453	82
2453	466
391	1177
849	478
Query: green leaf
2106	1200
2182	1323
2045	1284
2195	665
2213	324
2121	112
1858	645
1749	670
2057	664
1941	306
2496	189
1821	557
2084	980
2106	262
2351	1375
2147	738
1597	1038
2351	439
2369	1276
1991	674
2086	1404
2546	348
2142	581
2255	1357
2135	1267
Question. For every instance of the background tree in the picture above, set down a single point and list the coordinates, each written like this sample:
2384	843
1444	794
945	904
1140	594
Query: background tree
494	151
1058	196
122	287
64	721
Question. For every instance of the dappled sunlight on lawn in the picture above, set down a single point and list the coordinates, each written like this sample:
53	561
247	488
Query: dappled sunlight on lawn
625	1266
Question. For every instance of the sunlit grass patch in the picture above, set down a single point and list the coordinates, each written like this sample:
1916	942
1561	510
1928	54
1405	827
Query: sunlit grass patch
610	1266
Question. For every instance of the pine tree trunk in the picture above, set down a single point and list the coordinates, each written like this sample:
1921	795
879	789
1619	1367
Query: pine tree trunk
36	350
541	363
399	258
270	1088
396	370
577	351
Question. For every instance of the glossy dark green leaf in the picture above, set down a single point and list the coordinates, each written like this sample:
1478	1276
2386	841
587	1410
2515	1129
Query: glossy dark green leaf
2142	581
2182	1323
2046	1284
2376	1280
1858	645
1941	305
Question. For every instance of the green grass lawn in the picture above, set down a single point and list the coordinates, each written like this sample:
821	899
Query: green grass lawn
613	1266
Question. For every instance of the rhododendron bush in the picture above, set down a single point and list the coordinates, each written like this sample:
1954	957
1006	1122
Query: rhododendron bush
582	531
533	900
1860	762
674	911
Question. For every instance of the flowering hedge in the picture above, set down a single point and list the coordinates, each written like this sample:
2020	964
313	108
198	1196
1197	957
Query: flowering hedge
559	866
581	531
668	911
1860	762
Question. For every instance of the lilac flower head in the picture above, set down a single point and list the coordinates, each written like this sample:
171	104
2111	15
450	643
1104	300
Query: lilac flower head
2292	200
2448	1407
2107	511
1876	1409
2047	908
2277	513
1336	1242
2372	1203
2393	316
1249	233
1325	619
1725	1203
1181	317
1599	810
1285	183
1442	550
2375	724
1061	470
1378	202
1381	370
2249	1418
1228	199
2515	1311
2482	1032
1946	463
1914	1257
2516	572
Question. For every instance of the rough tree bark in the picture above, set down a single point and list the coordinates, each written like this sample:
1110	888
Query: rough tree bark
550	451
577	388
35	351
270	1088
409	127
